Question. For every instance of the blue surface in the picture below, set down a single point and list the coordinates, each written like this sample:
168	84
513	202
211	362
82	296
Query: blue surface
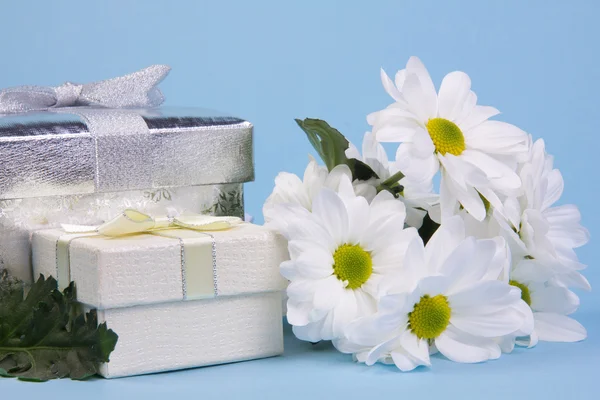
549	371
272	61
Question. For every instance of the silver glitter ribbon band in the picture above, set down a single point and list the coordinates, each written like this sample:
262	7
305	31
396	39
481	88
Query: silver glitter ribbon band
133	90
118	147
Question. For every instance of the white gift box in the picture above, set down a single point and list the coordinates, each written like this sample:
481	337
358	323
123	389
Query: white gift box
19	218
142	289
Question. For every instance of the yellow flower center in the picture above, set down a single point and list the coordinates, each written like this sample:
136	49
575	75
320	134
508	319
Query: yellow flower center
446	136
525	293
353	264
430	317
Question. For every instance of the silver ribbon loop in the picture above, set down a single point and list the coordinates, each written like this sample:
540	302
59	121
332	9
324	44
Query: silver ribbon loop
133	90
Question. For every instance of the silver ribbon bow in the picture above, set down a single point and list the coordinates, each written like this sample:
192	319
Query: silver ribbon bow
133	90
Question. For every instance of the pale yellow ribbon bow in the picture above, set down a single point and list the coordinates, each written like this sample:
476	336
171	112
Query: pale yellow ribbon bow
198	252
134	222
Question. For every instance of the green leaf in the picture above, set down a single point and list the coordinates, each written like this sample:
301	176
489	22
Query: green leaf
45	335
360	170
428	228
331	146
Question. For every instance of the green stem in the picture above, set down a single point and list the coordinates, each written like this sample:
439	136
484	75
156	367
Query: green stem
390	181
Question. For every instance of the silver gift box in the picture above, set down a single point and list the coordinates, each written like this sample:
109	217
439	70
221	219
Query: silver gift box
84	165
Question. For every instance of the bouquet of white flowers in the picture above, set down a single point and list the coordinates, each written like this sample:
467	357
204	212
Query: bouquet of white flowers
391	271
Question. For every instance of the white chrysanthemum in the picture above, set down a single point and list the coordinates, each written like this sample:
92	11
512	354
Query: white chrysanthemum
543	238
448	297
340	252
449	131
550	304
289	188
540	231
417	196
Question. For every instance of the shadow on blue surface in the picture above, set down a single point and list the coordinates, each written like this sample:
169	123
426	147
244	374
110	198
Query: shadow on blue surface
548	371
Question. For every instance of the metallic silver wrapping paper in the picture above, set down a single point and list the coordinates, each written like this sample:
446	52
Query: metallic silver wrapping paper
84	165
83	150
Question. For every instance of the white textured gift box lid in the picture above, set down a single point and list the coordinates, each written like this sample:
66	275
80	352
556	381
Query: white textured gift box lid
146	269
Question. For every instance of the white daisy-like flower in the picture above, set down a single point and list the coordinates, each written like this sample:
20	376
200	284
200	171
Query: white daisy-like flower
339	253
418	197
550	305
449	131
538	230
447	297
290	189
543	262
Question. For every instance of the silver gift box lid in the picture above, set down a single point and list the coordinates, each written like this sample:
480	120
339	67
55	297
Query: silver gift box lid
83	150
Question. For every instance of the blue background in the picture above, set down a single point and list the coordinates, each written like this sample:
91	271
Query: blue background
273	61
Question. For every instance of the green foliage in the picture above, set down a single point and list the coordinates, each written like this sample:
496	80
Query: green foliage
428	228
230	203
331	146
45	335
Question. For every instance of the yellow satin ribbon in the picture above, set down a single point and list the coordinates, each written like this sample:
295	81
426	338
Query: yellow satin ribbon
135	222
198	246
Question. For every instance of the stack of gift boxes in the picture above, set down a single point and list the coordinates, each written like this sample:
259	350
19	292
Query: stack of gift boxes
179	298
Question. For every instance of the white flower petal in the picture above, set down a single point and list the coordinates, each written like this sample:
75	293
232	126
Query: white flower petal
344	313
443	242
433	285
429	95
420	102
375	156
381	350
554	190
417	348
338	173
404	361
358	217
528	322
463	348
484	298
500	175
454	92
423	145
468	106
330	209
329	293
396	130
469	262
478	115
414	266
554	299
558	328
572	279
469	198
298	313
495	324
417	169
389	87
399	78
497	137
506	343
314	263
310	232
352	151
288	270
531	271
310	332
